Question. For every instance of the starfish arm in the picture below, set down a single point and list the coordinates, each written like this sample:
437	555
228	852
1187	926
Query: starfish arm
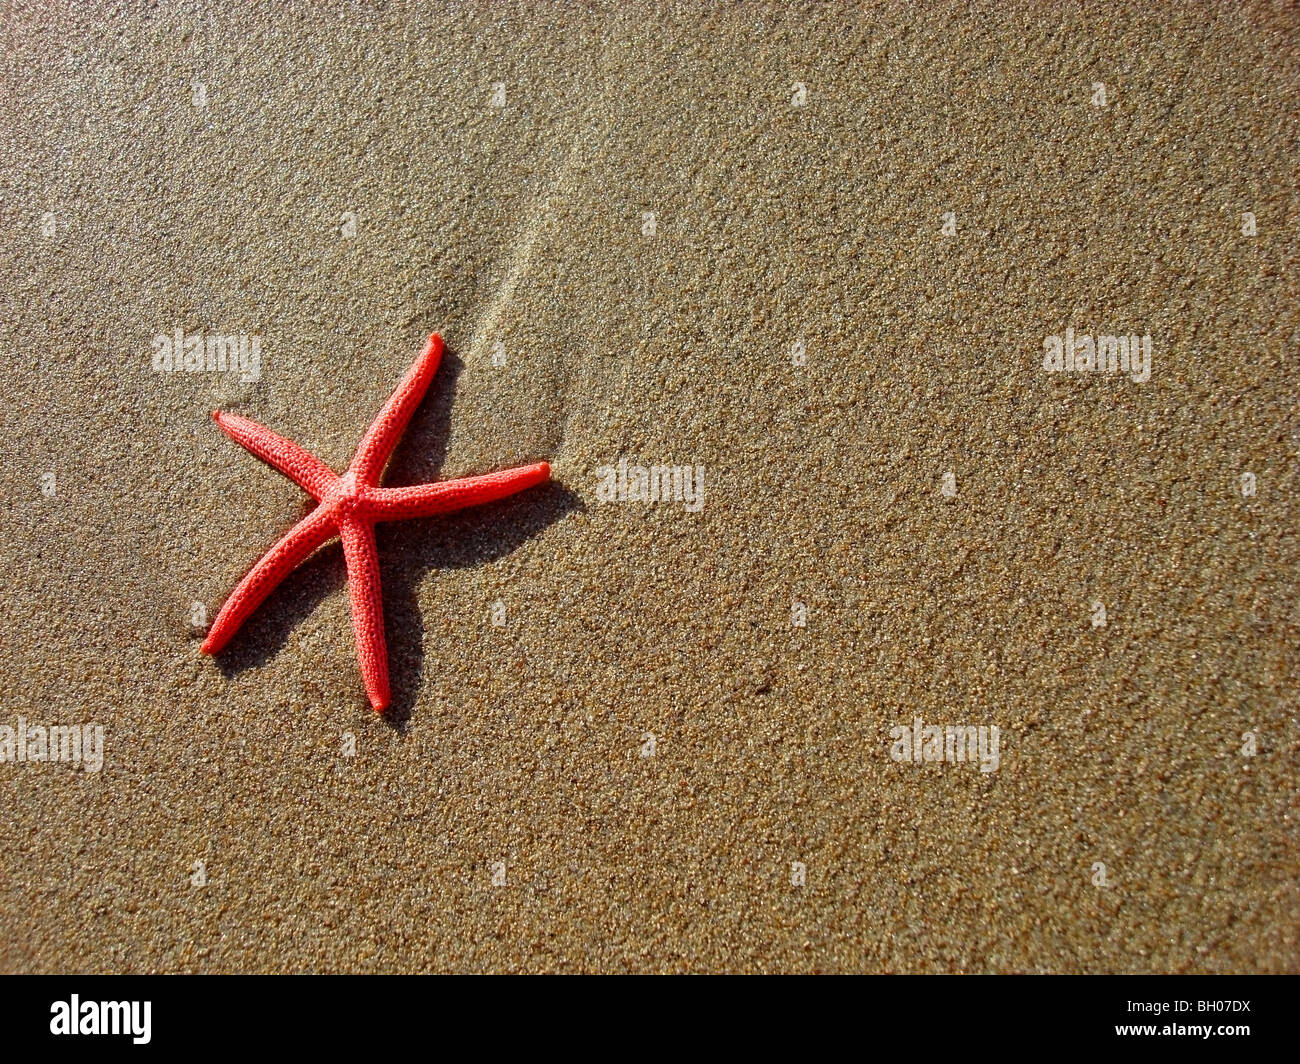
384	432
274	566
305	470
424	500
367	607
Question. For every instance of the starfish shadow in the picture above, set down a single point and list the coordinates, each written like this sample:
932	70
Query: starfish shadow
407	550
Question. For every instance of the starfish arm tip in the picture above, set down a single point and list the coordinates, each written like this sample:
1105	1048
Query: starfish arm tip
216	416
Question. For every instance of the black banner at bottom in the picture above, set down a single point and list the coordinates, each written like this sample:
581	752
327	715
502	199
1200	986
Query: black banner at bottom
1185	1015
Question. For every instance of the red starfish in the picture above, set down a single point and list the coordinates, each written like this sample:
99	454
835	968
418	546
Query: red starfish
350	506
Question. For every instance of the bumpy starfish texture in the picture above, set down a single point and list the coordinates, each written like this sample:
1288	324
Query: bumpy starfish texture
349	507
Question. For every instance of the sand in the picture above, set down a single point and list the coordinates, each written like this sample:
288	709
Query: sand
340	183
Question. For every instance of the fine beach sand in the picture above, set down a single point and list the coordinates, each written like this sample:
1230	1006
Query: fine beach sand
340	184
